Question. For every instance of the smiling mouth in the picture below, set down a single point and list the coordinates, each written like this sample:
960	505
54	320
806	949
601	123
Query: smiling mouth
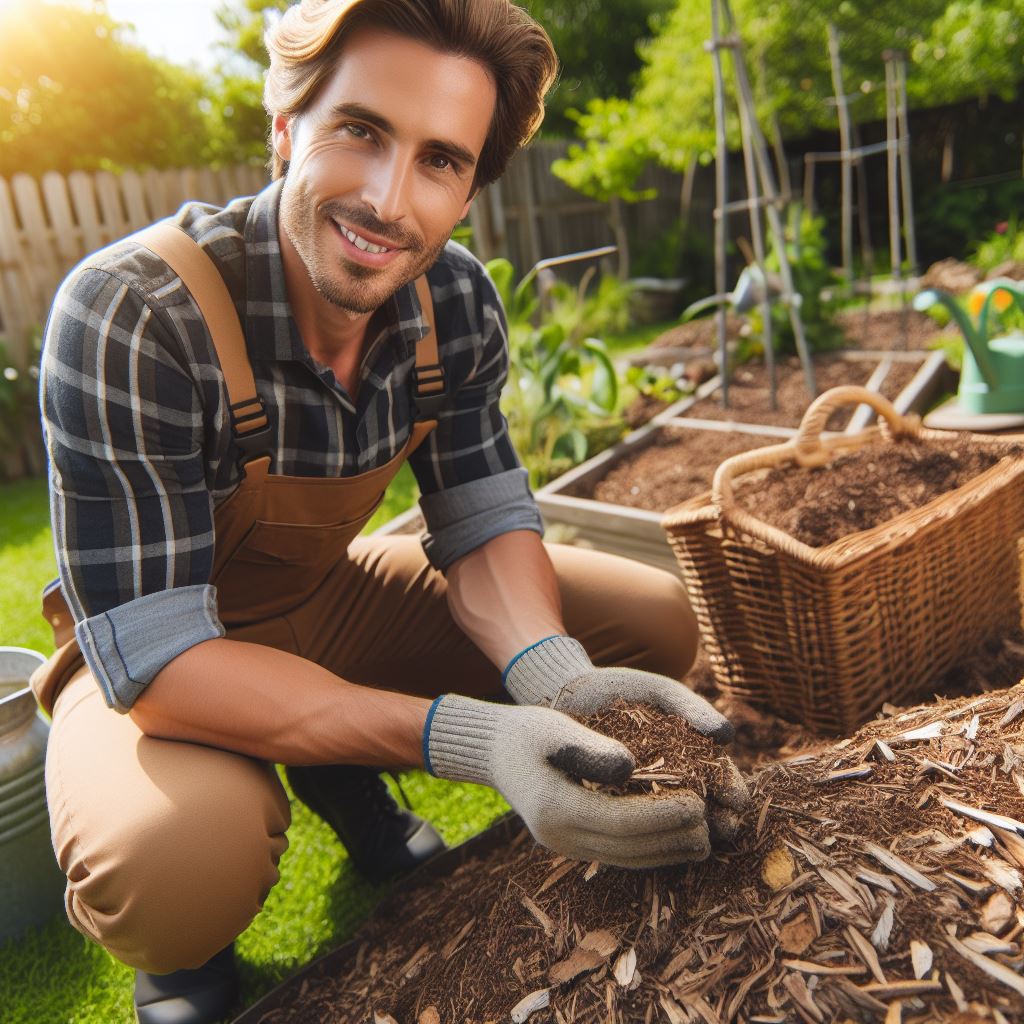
361	243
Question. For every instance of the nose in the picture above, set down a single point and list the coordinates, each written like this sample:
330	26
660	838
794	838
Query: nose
386	190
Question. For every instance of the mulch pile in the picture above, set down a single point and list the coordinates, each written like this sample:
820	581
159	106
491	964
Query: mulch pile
819	506
749	392
675	466
876	880
668	755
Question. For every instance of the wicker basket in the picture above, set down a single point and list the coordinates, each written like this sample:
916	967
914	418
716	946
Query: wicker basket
824	636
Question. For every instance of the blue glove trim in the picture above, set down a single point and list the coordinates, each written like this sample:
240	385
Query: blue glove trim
508	667
426	734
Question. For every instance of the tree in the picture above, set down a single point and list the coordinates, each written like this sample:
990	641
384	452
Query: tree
956	48
77	92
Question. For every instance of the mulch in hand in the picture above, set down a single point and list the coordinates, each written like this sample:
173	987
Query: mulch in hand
868	487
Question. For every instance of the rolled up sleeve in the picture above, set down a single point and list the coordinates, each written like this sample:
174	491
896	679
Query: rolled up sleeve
127	646
462	518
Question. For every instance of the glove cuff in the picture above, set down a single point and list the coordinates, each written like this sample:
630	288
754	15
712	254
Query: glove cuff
458	739
537	674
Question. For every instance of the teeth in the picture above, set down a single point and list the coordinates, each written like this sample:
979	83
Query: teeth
361	243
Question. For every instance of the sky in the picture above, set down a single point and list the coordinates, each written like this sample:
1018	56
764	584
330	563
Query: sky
180	30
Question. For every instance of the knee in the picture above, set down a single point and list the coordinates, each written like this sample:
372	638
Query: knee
663	628
173	881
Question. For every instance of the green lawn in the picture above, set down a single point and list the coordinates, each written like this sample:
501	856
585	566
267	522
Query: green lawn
54	975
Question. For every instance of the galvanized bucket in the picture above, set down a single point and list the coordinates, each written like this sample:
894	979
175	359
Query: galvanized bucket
31	883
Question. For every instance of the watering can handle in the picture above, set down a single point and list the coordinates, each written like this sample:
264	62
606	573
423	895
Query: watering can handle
807	444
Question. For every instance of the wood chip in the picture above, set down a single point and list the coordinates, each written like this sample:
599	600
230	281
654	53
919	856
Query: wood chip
539	916
412	965
593	951
931	731
778	869
809	967
797	988
1012	712
997	913
866	952
559	872
903	989
921	957
592	869
453	944
971	729
900	867
971	885
894	1015
956	992
981	836
982	942
877	880
675	1013
881	751
625	967
429	1016
883	929
797	934
539	1000
994	969
379	1017
1002	874
985	817
763	815
857	771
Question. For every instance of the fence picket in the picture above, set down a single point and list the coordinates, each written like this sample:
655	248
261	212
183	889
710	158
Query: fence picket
68	237
83	197
111	208
134	191
15	302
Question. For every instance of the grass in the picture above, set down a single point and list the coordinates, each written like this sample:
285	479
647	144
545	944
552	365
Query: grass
636	338
56	976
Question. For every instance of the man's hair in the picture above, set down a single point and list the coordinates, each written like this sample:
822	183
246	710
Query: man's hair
304	47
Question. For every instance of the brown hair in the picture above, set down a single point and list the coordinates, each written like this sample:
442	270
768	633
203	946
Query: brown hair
304	47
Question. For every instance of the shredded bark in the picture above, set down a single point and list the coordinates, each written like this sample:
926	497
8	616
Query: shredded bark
819	506
853	873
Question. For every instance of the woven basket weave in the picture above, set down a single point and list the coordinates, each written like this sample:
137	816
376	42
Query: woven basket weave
824	636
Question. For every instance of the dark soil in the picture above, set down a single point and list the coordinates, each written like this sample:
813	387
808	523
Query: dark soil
884	329
868	487
669	755
702	333
749	392
800	920
677	465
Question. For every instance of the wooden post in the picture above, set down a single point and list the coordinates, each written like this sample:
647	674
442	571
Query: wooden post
721	196
845	146
892	161
903	125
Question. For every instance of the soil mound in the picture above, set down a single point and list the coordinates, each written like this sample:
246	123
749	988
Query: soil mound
868	487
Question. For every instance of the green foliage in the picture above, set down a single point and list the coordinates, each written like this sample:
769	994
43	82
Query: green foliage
656	383
562	389
76	91
954	218
957	49
1005	243
806	251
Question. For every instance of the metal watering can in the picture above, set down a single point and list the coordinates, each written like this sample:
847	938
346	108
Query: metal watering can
992	378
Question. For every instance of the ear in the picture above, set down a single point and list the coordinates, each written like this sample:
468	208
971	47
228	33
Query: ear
469	202
281	135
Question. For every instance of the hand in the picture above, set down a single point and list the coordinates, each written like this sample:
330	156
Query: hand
535	757
558	673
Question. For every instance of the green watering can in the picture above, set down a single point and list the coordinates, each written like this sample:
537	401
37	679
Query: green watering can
992	377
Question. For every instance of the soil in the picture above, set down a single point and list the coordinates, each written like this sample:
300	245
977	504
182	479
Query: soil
668	755
677	465
702	333
884	329
749	392
846	859
819	506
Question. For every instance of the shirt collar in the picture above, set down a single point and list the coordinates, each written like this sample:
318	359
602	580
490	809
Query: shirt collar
271	331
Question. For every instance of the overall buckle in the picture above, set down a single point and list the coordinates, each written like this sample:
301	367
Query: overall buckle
430	390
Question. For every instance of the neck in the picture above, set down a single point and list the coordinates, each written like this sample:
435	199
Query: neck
328	332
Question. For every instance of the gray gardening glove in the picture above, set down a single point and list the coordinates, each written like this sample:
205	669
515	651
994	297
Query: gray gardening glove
535	756
558	673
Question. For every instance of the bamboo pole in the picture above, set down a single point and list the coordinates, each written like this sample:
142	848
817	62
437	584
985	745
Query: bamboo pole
845	147
721	195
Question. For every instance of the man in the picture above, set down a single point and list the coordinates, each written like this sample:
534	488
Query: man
208	488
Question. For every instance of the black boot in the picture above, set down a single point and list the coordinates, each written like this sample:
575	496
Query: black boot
200	996
382	839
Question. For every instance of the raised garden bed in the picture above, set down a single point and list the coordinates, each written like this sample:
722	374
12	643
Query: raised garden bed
875	879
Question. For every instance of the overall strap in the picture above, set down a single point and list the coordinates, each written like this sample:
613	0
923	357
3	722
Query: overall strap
429	383
250	427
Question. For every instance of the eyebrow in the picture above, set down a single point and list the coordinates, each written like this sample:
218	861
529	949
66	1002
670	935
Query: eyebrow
356	111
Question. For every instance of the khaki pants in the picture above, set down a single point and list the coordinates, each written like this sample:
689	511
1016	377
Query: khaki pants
170	848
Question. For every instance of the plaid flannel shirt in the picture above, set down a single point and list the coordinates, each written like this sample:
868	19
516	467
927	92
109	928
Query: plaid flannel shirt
134	410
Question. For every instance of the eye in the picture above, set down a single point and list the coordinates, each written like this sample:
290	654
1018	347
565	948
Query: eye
439	162
357	131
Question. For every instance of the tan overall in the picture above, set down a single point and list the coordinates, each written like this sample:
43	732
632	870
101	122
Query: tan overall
170	848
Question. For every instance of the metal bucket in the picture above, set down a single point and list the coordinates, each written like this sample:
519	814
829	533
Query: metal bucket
31	883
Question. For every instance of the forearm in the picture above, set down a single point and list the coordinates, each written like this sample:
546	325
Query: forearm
504	595
279	707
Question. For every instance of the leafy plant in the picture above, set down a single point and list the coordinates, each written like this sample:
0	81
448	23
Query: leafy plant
657	383
562	390
1006	242
20	439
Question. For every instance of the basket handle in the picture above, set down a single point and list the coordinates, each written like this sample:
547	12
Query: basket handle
807	445
807	448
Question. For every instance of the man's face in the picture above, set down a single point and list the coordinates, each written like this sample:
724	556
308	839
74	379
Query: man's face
381	165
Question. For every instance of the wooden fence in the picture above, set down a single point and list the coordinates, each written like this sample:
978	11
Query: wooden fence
47	226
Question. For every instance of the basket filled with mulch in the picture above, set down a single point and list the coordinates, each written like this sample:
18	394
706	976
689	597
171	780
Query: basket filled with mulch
833	575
